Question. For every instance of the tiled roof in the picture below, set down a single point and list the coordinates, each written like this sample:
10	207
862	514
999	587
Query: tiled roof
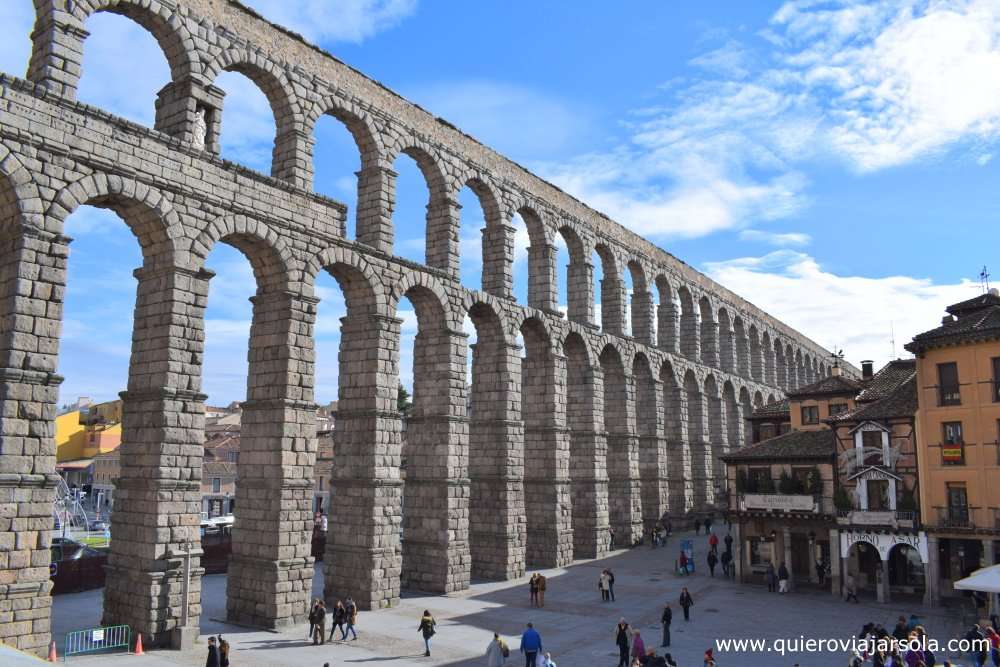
773	409
888	379
832	384
901	402
792	445
973	320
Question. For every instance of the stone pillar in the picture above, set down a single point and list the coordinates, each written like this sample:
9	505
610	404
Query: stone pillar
443	223
292	156
744	356
786	545
362	556
32	284
690	343
727	349
588	466
57	51
271	568
653	472
680	480
496	460
700	450
882	584
580	292
932	573
836	572
668	327
178	107
624	497
376	199
542	277
436	554
612	305
642	317
547	492
717	446
498	260
158	495
739	558
710	343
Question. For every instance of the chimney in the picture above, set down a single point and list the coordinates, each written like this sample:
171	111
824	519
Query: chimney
947	319
866	369
836	371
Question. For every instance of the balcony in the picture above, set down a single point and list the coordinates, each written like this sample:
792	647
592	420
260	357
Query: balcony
957	518
778	502
893	518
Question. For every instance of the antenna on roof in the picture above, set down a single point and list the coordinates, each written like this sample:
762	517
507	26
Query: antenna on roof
892	339
984	279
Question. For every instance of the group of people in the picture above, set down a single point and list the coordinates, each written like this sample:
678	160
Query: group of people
536	587
777	580
606	584
218	652
659	533
345	617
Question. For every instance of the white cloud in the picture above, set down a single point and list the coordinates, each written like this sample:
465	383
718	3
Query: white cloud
341	21
781	239
850	312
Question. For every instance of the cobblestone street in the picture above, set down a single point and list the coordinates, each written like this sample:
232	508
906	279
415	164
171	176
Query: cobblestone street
575	625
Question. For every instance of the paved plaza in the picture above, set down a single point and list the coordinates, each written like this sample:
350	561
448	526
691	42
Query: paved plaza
575	625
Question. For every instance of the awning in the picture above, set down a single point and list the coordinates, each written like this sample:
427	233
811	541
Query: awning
79	464
985	580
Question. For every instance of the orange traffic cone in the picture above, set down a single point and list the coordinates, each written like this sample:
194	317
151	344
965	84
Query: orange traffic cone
53	657
138	644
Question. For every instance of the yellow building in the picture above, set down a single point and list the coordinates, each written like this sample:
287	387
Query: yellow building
88	432
958	439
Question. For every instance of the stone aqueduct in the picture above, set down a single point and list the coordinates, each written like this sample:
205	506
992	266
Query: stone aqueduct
592	428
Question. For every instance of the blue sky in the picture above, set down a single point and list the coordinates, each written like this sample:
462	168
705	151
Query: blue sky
833	162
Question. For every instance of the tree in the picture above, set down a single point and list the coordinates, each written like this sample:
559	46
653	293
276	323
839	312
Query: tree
841	500
403	403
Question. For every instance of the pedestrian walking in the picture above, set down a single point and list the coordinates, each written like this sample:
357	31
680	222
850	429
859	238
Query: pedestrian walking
638	646
223	652
312	609
549	662
611	584
350	618
708	525
427	629
541	589
821	571
783	576
533	589
682	562
727	559
666	618
212	660
623	638
713	542
850	589
771	577
686	602
697	527
611	538
339	618
729	542
319	621
712	562
602	585
496	652
531	645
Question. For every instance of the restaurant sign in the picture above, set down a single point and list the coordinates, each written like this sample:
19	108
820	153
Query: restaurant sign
779	502
883	542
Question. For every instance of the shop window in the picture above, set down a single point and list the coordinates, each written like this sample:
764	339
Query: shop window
952	444
948	387
761	551
810	414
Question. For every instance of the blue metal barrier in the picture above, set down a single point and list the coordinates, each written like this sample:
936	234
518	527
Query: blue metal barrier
98	639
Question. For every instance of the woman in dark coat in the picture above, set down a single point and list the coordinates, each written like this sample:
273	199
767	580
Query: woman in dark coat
686	602
426	627
623	638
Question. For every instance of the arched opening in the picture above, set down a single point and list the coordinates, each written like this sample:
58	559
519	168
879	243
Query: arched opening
578	294
756	355
642	322
800	371
758	399
424	224
780	368
247	129
547	500
496	534
649	427
727	343
863	564
623	493
680	487
336	165
667	317
538	256
744	351
611	290
18	19
709	331
697	432
717	439
124	67
484	246
690	343
906	572
587	455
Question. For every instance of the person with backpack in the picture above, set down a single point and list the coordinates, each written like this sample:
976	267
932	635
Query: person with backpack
426	627
350	618
223	652
496	652
623	639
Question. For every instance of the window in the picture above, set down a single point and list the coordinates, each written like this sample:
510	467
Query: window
878	495
958	504
952	444
761	551
810	414
837	408
871	441
948	389
996	379
216	485
767	431
760	479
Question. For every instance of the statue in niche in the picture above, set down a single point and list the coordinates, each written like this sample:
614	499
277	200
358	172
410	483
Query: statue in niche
200	131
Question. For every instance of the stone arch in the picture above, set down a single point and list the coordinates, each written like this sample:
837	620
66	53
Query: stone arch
442	221
743	352
717	437
727	342
20	200
690	342
579	277
147	212
709	333
541	259
770	361
272	262
757	351
758	399
55	61
698	435
667	317
357	121
643	326
428	296
612	291
359	281
733	419
798	377
678	464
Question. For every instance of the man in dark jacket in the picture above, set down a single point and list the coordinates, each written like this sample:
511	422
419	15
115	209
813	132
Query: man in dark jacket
319	620
901	631
213	654
665	620
712	561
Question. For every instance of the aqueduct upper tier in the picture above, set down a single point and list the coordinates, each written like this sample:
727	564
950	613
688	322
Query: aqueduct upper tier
584	426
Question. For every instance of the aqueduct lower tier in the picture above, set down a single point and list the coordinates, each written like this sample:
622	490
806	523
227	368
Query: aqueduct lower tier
581	429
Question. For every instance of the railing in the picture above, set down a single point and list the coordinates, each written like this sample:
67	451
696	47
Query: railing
877	517
956	518
98	639
949	395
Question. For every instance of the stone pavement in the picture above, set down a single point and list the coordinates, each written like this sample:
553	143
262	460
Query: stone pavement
575	625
